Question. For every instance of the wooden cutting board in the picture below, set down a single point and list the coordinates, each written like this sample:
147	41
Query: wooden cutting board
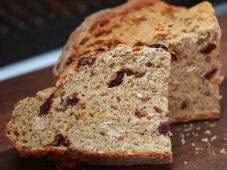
200	146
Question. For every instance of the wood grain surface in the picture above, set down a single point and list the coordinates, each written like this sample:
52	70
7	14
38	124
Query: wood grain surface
196	146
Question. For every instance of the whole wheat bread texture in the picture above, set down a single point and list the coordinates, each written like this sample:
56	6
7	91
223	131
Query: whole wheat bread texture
193	36
105	109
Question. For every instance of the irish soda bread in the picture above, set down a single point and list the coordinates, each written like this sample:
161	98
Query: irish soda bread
105	109
192	35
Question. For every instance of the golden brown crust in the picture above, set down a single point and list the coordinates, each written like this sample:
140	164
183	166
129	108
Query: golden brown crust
197	117
77	42
82	32
115	158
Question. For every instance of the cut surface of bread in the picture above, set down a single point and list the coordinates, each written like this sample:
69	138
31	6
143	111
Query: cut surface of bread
193	36
106	109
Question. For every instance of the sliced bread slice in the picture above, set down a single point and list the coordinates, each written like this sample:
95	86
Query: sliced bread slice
105	109
193	35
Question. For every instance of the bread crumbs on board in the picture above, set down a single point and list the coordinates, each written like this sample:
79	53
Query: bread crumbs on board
213	138
205	140
223	151
207	137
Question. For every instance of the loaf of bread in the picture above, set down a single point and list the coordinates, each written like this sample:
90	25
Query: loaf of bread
193	36
107	108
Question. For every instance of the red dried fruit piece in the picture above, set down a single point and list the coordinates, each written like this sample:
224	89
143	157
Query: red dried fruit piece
119	78
60	141
159	46
86	61
70	101
140	114
164	128
117	81
45	106
173	57
145	98
209	75
208	49
185	104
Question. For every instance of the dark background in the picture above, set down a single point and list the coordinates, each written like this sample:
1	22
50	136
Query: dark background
30	27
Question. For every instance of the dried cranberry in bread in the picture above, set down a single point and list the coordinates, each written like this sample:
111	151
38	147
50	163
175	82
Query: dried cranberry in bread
105	109
193	36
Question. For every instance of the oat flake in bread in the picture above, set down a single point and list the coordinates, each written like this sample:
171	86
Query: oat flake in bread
193	36
107	108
